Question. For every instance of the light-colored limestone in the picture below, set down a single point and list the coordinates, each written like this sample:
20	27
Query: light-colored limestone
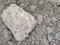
18	21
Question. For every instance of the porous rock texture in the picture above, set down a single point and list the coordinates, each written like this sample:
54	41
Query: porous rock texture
19	22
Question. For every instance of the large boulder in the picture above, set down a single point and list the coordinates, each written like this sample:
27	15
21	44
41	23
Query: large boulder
18	21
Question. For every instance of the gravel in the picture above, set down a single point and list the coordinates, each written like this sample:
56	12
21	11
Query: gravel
47	29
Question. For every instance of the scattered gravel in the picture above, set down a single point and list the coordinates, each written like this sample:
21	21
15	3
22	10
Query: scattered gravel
47	29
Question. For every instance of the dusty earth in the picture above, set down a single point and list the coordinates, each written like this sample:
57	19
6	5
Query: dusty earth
47	29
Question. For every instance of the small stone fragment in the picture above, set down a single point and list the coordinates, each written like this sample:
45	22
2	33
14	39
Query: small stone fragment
18	21
33	8
49	30
54	19
57	36
49	38
22	5
7	35
39	19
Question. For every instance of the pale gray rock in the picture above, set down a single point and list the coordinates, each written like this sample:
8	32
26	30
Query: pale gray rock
57	36
39	19
49	30
54	19
18	21
7	35
33	8
49	37
22	5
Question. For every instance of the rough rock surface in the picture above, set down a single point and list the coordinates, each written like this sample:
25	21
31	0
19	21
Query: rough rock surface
18	21
46	32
